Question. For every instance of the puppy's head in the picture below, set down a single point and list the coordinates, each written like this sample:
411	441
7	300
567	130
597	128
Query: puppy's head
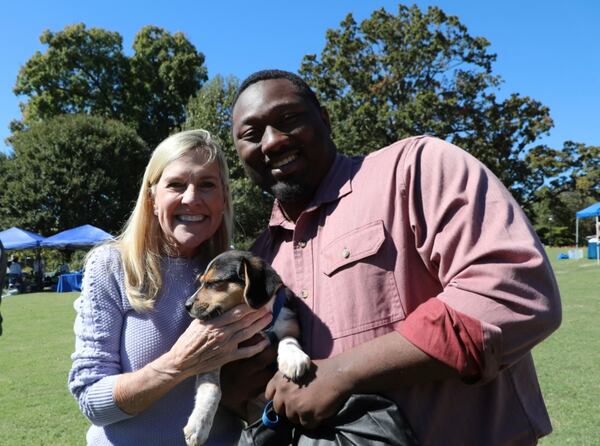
232	278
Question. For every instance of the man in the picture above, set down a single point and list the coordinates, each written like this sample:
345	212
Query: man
420	276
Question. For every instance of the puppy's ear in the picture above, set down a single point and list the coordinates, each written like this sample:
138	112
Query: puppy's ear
261	282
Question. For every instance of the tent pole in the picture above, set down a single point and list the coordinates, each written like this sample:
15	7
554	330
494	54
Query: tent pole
576	233
597	242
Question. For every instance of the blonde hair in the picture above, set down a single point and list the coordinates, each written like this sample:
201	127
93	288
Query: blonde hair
142	243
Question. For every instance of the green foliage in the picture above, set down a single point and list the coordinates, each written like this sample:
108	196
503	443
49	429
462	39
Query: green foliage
166	70
85	71
72	170
393	76
211	110
563	182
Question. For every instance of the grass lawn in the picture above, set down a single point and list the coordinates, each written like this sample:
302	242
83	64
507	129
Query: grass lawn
36	407
35	349
568	363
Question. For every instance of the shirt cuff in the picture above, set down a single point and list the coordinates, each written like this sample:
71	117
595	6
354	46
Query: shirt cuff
447	335
101	408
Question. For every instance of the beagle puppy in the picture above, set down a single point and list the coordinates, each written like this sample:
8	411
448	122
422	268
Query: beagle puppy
232	278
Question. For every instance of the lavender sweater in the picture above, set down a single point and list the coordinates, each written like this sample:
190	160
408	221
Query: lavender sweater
111	338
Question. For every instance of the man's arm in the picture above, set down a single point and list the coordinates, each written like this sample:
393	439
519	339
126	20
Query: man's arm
380	365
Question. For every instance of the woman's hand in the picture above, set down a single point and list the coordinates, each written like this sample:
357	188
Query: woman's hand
203	347
208	345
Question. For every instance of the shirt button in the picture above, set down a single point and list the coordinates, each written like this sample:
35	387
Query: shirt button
303	294
346	253
302	244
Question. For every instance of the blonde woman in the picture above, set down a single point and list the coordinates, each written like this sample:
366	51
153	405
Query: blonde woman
137	351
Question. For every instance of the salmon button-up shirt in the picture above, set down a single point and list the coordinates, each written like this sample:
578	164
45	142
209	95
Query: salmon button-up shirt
421	238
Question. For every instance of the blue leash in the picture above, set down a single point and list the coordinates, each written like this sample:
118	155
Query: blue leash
270	418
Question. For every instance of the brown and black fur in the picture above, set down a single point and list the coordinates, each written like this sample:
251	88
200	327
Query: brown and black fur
233	278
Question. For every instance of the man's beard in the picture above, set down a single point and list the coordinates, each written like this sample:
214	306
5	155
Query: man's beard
285	191
291	192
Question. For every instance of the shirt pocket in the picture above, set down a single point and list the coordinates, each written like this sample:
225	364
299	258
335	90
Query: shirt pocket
360	291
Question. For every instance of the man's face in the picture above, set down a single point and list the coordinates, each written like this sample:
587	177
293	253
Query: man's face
283	139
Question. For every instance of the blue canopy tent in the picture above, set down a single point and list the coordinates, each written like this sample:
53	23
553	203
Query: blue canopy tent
590	211
79	237
16	238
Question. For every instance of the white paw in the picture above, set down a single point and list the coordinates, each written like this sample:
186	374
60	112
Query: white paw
293	362
196	431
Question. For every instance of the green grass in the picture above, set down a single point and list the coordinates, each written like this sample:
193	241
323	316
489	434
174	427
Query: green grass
568	363
37	409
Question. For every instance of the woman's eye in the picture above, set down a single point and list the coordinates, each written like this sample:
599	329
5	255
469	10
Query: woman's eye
207	185
175	185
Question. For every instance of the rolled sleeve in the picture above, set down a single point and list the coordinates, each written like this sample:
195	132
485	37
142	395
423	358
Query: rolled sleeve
448	336
475	238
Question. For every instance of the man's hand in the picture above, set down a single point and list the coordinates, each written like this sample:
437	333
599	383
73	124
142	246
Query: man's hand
246	379
318	396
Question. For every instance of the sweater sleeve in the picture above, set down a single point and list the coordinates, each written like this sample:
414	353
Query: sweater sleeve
96	360
499	296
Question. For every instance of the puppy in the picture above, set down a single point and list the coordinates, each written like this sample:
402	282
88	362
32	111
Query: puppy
232	278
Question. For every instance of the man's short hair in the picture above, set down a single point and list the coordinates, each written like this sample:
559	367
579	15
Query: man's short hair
263	75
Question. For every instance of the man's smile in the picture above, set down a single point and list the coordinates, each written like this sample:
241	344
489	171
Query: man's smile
283	160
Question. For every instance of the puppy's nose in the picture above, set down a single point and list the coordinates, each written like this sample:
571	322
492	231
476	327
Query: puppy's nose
189	304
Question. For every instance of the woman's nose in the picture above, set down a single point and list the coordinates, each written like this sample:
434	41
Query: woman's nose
191	195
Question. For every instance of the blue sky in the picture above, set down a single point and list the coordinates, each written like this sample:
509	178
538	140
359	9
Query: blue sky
547	49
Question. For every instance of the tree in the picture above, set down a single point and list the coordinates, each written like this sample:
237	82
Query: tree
85	71
392	76
166	71
565	182
211	110
71	170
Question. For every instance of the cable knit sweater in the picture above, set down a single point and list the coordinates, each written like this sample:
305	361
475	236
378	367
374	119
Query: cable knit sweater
111	338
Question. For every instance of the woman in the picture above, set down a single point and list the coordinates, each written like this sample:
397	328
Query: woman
137	351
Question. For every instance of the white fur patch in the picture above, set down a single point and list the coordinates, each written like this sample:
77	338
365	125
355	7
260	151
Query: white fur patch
208	395
292	361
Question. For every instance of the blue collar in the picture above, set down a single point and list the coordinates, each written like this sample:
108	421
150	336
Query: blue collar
277	306
279	302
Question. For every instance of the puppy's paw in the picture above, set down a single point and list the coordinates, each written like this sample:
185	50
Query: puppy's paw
293	362
196	431
196	434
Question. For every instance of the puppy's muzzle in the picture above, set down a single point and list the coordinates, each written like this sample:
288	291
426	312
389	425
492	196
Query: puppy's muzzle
202	310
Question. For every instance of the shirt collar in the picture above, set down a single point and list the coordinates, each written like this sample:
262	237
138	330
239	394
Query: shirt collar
336	184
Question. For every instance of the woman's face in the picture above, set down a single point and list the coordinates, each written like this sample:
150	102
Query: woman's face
189	202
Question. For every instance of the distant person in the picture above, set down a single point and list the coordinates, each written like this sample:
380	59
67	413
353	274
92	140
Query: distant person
15	272
38	272
63	268
137	350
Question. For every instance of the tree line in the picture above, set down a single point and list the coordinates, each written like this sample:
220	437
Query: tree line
91	116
